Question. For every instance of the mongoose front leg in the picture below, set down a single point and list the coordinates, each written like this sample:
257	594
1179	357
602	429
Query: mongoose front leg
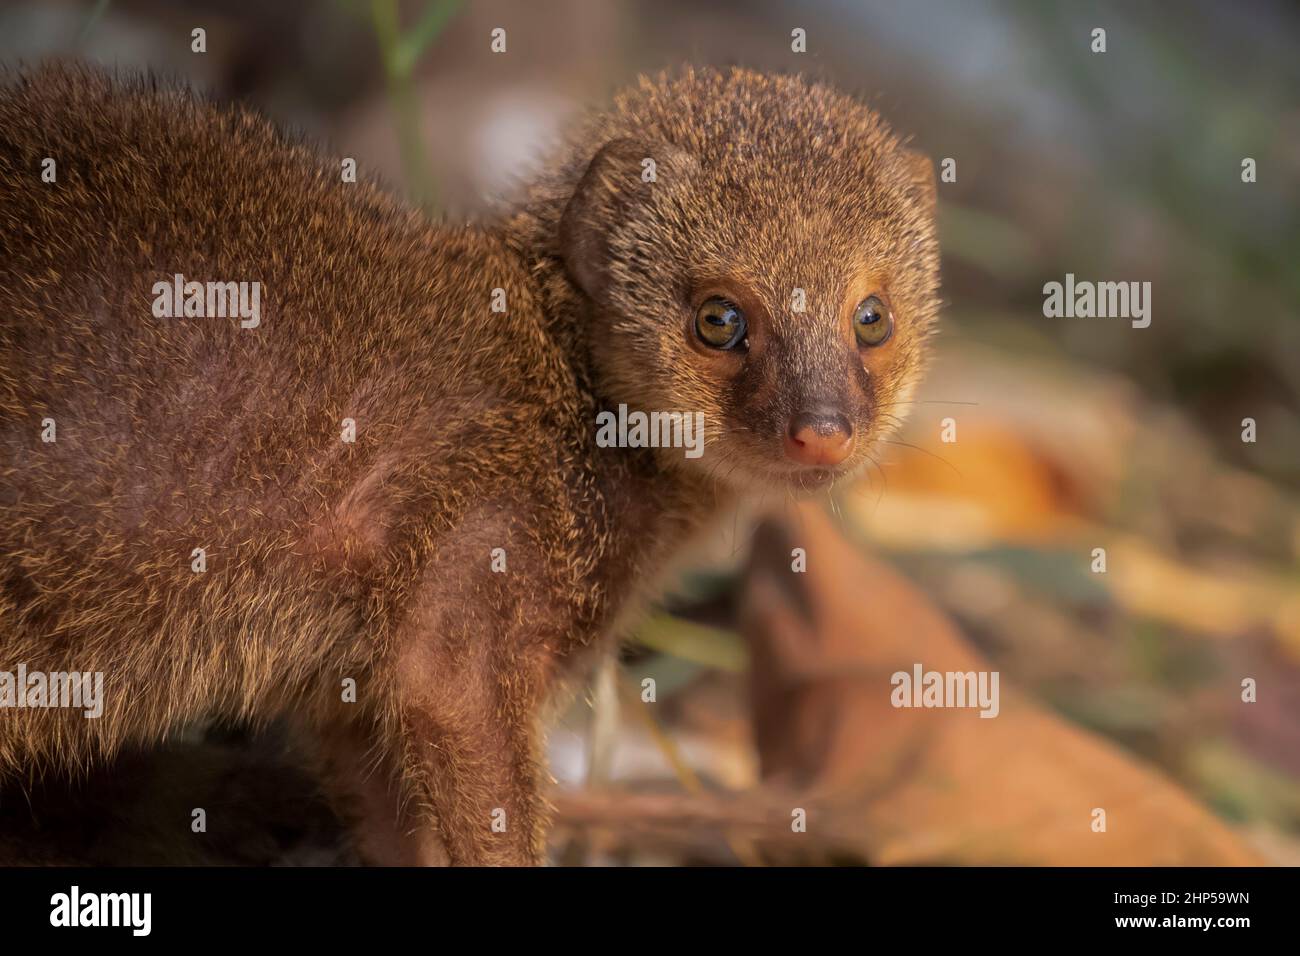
471	766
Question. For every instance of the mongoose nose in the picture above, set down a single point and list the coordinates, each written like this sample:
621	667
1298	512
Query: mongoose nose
819	438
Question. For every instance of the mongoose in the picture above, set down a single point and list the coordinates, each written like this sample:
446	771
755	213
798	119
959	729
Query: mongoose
391	474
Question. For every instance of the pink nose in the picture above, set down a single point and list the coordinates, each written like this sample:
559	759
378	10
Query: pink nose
822	438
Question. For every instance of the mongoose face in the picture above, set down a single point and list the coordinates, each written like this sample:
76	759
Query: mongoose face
778	272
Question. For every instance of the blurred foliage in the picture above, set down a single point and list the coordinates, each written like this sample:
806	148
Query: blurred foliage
401	53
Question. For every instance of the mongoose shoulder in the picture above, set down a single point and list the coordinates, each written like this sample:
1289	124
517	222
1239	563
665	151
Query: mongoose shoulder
391	469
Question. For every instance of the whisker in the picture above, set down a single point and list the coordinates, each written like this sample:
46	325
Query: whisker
926	401
884	483
925	451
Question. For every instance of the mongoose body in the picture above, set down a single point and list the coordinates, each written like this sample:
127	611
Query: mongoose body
392	475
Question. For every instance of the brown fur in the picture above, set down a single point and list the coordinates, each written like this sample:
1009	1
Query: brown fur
475	430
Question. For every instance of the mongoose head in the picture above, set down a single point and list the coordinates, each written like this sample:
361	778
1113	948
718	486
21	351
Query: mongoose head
761	250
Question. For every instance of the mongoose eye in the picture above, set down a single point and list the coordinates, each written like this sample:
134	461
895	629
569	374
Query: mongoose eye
720	324
872	321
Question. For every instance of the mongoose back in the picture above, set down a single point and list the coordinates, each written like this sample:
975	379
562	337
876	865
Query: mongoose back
394	471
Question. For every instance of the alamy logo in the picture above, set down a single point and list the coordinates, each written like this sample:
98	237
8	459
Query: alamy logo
213	300
76	908
922	688
79	690
638	429
1102	300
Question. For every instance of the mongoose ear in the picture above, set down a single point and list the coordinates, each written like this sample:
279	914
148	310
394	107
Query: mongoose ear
613	183
920	169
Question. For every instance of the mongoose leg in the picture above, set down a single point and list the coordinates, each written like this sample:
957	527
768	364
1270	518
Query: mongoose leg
471	758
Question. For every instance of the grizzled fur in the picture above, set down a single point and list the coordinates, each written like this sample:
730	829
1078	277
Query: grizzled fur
475	430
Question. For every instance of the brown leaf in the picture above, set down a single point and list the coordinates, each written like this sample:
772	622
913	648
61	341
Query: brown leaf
938	785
